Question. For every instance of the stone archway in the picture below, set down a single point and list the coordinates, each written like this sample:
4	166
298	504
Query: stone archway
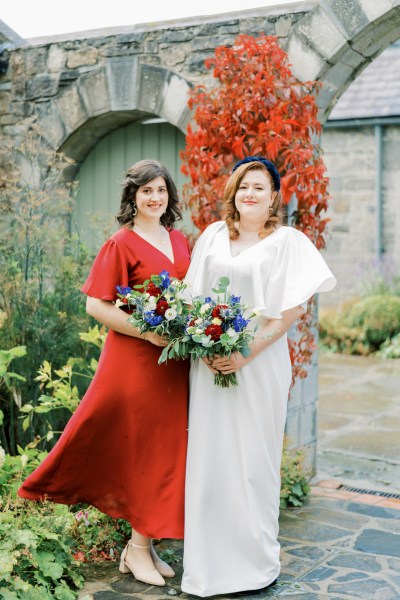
337	39
119	92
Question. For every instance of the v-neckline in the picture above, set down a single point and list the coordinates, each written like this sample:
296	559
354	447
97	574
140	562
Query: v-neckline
157	249
250	247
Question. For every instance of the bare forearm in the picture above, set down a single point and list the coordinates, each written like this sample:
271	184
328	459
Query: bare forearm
274	330
112	317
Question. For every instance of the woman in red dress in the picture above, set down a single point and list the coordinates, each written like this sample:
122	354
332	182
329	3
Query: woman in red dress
124	448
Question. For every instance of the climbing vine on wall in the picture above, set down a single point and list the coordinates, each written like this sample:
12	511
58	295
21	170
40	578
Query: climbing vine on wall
257	106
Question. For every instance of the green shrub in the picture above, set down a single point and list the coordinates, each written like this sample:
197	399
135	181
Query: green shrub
337	336
390	348
378	317
294	478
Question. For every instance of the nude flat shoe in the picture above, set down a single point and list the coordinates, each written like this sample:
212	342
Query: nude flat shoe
162	567
152	577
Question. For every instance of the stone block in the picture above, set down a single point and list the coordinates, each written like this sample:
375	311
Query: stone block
51	123
195	61
82	57
210	43
153	81
374	9
122	49
123	82
35	60
129	38
378	36
56	59
175	99
283	26
321	33
151	47
5	102
174	54
41	86
257	26
220	28
93	88
178	35
71	108
306	63
347	15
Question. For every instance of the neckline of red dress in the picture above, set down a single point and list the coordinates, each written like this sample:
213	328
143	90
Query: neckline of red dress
155	248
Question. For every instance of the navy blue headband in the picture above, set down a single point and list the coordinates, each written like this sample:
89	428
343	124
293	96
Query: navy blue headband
271	168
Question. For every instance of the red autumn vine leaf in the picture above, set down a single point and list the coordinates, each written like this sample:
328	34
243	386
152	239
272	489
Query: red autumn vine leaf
258	107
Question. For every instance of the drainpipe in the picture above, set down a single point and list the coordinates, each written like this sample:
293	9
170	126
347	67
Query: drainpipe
378	192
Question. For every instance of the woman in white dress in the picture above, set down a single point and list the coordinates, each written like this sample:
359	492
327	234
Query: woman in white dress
236	433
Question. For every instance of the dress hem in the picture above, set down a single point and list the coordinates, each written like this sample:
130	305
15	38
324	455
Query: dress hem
251	587
115	515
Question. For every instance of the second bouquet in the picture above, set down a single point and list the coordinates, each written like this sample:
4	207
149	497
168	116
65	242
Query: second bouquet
218	326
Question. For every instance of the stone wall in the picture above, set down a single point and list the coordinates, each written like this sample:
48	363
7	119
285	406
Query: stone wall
350	155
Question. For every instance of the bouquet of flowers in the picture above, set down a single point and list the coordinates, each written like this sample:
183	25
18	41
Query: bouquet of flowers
157	305
214	327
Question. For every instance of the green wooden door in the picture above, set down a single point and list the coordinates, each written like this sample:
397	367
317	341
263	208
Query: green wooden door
103	171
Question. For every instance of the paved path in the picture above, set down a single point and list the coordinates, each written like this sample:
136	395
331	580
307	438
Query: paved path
359	421
332	549
342	544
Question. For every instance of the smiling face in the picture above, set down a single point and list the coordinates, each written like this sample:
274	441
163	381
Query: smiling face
253	197
152	199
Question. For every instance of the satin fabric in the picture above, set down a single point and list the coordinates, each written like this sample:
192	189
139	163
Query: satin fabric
124	449
236	433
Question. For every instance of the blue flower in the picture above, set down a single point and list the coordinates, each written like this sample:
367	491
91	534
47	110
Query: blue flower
235	299
207	300
165	279
239	323
151	318
123	289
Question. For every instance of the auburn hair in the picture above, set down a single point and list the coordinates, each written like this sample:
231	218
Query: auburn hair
139	174
231	214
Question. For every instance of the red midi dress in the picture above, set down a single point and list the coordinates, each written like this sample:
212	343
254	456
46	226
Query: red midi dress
124	449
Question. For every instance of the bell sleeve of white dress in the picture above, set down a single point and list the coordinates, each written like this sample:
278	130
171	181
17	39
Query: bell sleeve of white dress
196	276
298	271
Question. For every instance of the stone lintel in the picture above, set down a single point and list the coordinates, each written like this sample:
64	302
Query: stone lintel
347	15
378	36
51	122
153	82
306	63
375	9
321	33
93	88
123	82
72	109
174	103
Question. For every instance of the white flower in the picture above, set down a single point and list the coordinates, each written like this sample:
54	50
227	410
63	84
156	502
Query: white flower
170	314
152	301
198	321
168	298
2	457
119	303
216	321
204	308
231	332
199	331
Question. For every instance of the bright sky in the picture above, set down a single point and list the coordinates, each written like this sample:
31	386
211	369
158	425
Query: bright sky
33	18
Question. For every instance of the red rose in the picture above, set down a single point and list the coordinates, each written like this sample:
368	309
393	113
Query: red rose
216	312
161	307
153	290
215	331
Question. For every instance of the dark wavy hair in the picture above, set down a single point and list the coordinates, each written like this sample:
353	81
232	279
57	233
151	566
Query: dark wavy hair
139	174
231	214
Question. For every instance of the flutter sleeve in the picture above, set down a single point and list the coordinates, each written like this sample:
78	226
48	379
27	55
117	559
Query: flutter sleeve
196	275
109	269
298	271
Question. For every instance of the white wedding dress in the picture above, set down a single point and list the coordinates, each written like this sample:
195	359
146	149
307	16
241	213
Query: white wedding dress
236	433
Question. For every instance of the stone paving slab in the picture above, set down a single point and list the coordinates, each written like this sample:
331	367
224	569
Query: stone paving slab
331	549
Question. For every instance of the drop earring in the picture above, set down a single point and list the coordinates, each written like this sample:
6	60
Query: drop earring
134	209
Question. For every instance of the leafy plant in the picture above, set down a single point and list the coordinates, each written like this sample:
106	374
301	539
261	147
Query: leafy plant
258	107
377	316
294	479
390	348
40	302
